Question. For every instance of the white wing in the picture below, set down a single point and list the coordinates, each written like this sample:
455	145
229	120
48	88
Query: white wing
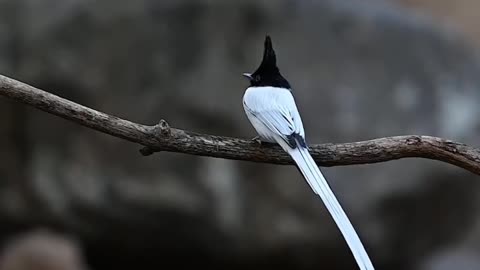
274	115
275	108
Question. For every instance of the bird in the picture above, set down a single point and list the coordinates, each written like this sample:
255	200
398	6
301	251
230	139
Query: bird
270	107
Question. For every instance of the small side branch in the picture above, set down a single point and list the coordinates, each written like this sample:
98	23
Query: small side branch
162	137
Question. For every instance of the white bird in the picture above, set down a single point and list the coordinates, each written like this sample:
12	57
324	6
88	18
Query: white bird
271	109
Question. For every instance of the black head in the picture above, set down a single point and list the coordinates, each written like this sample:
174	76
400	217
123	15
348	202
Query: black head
268	74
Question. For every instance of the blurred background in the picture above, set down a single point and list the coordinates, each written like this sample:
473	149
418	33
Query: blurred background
72	198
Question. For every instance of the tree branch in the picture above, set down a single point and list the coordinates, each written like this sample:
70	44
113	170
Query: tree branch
161	137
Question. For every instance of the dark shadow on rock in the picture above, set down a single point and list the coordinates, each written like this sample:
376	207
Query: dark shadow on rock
425	220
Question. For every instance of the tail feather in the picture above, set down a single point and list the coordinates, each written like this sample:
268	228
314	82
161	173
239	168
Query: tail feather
320	186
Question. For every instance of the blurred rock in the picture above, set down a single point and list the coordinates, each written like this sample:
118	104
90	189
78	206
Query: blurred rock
460	15
42	250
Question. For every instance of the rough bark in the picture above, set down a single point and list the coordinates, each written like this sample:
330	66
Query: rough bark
162	137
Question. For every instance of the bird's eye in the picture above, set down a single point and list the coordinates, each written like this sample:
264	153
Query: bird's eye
257	78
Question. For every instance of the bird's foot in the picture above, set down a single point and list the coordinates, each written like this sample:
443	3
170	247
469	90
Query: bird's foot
257	140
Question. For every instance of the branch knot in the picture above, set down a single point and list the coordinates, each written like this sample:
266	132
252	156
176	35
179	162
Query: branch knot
414	140
162	129
159	131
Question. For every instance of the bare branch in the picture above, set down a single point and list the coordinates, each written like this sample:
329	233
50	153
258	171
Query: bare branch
162	137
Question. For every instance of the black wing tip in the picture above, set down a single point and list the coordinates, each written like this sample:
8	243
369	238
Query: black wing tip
295	140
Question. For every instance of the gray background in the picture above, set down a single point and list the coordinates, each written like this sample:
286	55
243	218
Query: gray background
360	70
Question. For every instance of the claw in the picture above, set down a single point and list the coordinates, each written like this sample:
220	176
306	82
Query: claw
257	139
